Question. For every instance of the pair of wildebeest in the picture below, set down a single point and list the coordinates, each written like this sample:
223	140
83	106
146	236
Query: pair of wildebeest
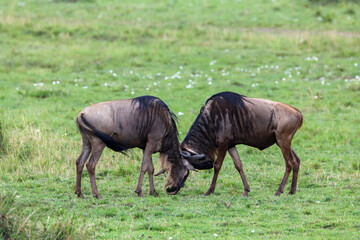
226	120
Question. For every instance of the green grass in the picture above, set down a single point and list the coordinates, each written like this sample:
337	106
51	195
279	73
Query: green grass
57	57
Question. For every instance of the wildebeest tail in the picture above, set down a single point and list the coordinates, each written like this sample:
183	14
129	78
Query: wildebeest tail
110	143
301	119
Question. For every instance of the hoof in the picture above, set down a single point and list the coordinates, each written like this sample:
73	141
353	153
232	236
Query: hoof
97	196
155	194
278	193
291	193
139	192
208	193
80	195
244	195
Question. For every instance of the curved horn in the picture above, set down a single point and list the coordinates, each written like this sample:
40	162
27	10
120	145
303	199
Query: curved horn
160	172
189	166
185	154
197	156
188	155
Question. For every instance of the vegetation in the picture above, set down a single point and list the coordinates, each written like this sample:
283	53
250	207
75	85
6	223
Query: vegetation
59	56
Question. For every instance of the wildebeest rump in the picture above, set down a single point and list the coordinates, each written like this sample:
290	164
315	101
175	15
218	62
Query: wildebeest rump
144	122
229	119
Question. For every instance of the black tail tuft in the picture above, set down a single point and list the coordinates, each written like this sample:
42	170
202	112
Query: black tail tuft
110	143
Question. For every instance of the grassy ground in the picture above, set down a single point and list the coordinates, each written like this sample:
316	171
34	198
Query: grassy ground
56	57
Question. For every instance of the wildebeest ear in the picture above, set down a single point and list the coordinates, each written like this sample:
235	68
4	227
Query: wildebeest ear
160	172
188	165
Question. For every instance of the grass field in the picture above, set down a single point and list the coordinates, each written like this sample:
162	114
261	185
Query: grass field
58	56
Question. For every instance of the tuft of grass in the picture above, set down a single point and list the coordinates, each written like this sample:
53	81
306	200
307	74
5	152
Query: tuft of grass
16	224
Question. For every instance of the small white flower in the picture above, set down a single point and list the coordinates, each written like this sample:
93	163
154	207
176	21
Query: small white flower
17	196
215	235
276	82
169	83
132	92
355	64
114	74
170	238
253	231
37	130
212	62
147	89
110	71
209	83
131	72
85	87
180	113
316	97
181	67
317	201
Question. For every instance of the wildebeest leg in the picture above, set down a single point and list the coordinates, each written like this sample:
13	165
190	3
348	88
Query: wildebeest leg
80	162
151	180
97	147
295	171
286	151
238	165
145	166
217	167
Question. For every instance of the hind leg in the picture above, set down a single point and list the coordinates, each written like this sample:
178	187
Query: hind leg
238	165
295	172
80	162
96	151
289	163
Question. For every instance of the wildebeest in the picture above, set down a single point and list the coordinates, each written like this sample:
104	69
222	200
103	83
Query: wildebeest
144	122
228	119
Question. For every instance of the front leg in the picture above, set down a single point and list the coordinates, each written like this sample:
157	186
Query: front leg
217	167
146	166
238	165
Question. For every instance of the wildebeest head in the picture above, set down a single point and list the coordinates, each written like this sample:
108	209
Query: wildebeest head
177	172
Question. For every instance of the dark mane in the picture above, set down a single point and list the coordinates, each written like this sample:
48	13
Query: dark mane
146	103
230	99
